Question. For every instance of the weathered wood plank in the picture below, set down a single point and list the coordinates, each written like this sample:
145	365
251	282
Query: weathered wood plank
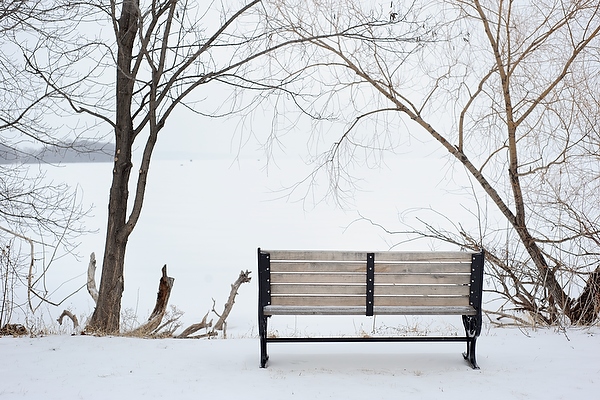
424	310
449	279
316	255
357	290
337	255
423	256
318	266
380	290
323	301
317	278
421	300
333	301
410	310
456	279
422	268
415	268
314	310
421	290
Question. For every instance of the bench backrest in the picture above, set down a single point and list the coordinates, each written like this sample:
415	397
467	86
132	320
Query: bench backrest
350	279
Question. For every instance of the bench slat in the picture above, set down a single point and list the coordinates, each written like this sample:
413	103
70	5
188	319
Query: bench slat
421	301
423	256
305	266
317	278
422	268
360	267
316	255
358	290
380	290
415	310
330	301
317	310
324	255
421	310
450	279
421	290
312	301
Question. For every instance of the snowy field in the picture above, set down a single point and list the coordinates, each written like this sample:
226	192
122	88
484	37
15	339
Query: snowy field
543	365
205	219
206	226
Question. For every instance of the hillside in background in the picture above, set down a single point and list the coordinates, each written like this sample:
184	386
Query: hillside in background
78	152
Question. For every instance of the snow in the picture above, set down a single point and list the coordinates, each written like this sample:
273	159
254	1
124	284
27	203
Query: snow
205	219
206	226
542	364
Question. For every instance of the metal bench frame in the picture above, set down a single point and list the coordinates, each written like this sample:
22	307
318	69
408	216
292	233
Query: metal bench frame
314	262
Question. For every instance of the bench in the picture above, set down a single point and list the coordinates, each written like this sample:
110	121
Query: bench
379	283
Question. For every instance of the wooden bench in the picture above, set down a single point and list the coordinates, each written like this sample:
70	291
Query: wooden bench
362	283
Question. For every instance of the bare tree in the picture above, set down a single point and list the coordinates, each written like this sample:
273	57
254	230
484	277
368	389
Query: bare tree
509	90
162	52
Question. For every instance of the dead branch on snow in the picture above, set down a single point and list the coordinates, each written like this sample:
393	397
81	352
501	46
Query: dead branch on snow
221	323
243	278
72	316
196	327
164	291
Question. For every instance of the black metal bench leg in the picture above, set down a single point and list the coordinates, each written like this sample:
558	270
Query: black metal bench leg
472	328
470	354
262	328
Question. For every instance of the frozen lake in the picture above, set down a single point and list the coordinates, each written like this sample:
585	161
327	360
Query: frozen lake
206	217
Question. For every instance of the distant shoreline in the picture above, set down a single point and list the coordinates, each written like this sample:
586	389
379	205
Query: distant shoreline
78	152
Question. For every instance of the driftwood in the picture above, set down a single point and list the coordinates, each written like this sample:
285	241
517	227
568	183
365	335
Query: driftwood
69	314
243	278
221	324
164	291
91	281
195	328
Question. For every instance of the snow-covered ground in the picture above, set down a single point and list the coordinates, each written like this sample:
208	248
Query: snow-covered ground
540	365
205	218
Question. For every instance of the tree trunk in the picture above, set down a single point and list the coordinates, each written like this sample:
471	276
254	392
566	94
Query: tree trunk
106	316
587	307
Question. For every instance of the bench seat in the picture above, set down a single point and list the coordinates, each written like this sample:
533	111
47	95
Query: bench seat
381	310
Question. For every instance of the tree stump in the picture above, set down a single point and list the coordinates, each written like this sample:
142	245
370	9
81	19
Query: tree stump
164	292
